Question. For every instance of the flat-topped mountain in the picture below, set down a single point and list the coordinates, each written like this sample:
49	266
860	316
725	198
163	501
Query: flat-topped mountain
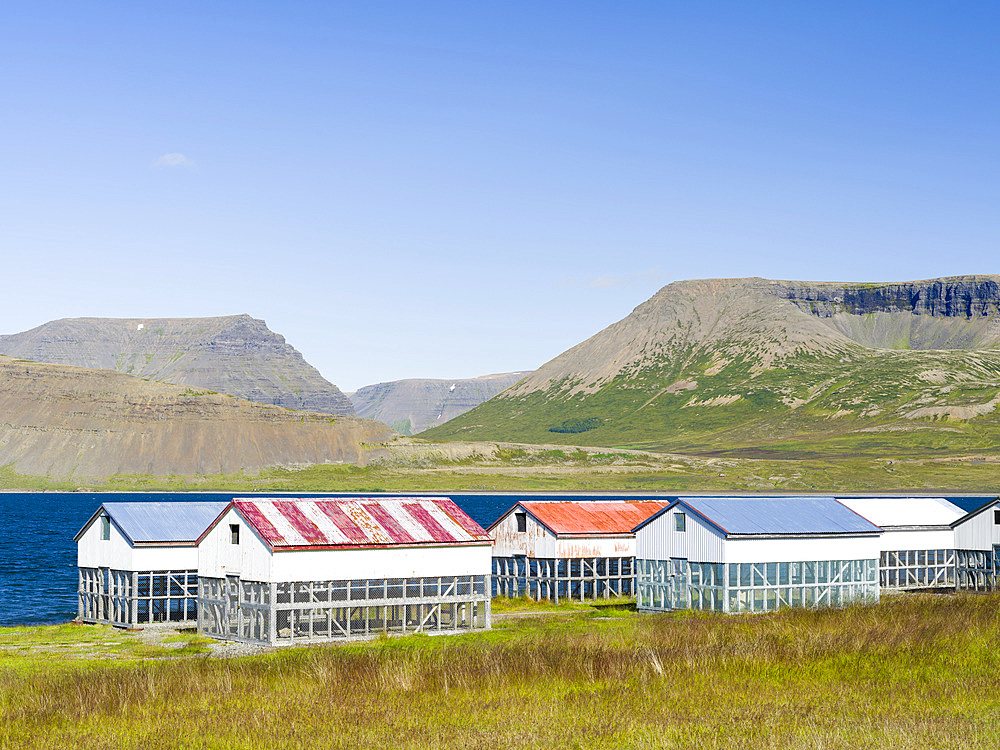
748	365
411	406
62	421
235	354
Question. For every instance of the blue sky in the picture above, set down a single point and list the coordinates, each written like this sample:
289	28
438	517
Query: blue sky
451	189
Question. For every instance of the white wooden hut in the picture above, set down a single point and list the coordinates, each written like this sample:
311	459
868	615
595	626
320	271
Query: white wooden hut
918	546
740	554
568	549
287	571
977	548
138	562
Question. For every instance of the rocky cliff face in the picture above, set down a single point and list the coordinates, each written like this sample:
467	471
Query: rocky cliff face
236	355
739	364
61	421
952	313
411	406
959	296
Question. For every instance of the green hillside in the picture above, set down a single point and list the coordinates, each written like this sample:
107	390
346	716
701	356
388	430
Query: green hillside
782	369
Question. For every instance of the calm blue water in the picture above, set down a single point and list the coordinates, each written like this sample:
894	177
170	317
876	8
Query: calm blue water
38	554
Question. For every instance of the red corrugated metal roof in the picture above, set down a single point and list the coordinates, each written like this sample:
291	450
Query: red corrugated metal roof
593	517
359	521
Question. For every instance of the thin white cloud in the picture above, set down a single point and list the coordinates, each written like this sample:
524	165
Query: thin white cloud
607	282
173	161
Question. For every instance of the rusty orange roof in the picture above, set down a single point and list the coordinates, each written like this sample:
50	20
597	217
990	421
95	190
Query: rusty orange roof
592	517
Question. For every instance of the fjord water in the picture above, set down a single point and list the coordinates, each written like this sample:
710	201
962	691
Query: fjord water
38	555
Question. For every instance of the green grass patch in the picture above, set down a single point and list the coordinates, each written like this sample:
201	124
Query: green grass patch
805	406
524	604
74	647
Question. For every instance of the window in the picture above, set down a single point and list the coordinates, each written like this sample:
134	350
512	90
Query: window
680	522
996	517
105	528
522	521
234	533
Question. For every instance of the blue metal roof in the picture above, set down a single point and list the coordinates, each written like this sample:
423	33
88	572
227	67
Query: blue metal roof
780	515
170	523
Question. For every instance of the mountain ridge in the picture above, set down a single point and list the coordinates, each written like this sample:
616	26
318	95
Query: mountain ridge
412	405
739	364
234	354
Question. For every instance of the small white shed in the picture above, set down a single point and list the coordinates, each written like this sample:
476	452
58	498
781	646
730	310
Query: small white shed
755	554
283	571
918	546
977	548
568	549
138	561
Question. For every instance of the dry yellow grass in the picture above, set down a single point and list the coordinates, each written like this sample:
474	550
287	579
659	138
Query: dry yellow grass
914	671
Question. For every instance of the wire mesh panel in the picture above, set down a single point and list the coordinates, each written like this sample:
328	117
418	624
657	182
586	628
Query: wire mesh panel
753	586
678	584
315	611
130	598
976	570
232	609
575	578
509	576
165	596
212	606
764	587
394	588
99	597
913	569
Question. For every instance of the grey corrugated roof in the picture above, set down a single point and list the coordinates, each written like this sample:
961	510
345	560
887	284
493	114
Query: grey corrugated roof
780	515
179	522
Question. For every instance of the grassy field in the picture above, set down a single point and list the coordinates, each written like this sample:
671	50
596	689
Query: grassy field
539	470
672	473
911	672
